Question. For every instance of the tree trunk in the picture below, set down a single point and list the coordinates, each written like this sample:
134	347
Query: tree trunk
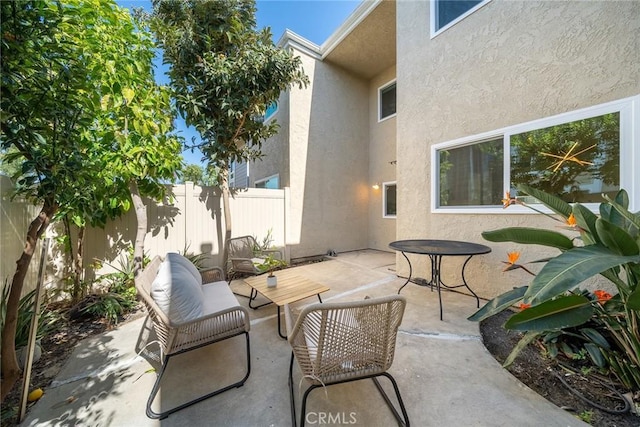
224	186
68	248
141	231
77	267
10	368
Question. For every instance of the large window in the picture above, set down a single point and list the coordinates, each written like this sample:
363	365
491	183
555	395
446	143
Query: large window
446	13
577	156
387	101
389	199
272	182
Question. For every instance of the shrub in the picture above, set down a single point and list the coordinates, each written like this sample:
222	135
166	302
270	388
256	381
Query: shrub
552	305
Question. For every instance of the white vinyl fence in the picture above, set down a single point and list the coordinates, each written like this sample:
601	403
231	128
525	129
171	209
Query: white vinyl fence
193	220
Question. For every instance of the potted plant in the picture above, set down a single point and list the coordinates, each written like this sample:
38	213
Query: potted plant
272	279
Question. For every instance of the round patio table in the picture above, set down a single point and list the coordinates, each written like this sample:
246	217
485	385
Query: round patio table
436	250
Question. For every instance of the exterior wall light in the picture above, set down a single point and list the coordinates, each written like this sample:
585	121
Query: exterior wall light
376	186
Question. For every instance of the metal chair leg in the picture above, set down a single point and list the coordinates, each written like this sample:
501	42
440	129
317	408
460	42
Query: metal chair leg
403	420
156	386
291	393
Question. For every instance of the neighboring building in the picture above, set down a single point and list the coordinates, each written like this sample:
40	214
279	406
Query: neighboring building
453	102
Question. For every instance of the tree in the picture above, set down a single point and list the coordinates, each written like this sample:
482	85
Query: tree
193	173
224	74
64	120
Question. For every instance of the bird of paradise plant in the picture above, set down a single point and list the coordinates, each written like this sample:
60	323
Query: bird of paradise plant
608	245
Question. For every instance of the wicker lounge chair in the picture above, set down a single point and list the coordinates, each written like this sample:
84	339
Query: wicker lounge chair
346	341
244	254
220	318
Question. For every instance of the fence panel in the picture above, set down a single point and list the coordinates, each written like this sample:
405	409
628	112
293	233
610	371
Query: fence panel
15	218
192	220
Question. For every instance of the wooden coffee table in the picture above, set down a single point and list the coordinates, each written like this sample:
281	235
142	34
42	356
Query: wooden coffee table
290	288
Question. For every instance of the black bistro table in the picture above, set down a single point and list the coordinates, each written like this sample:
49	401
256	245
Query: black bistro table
436	250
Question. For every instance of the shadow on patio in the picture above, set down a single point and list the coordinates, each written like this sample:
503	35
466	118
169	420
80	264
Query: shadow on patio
445	374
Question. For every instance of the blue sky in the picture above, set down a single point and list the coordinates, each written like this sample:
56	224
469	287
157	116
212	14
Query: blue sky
314	20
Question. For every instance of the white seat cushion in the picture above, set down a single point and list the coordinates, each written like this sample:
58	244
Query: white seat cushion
176	292
217	296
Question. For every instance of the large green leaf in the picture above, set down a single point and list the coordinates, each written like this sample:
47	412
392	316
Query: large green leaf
633	302
596	355
616	239
498	304
586	220
554	203
631	217
570	268
562	312
524	341
529	236
595	337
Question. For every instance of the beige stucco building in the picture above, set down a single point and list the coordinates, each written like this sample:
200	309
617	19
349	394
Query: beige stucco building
429	105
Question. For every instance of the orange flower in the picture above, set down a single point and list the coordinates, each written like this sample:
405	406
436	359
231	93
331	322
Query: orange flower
507	201
602	296
513	257
524	306
511	264
571	220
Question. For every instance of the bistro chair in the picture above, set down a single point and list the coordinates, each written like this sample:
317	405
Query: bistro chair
335	343
245	255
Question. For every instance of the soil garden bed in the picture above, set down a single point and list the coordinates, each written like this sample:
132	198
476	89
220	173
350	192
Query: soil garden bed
545	376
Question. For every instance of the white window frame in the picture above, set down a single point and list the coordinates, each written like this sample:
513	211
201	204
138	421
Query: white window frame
629	109
380	89
384	198
433	13
277	175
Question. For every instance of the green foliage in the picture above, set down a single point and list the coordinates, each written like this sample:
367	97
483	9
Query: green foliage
263	247
200	176
110	305
586	416
47	322
196	259
224	73
120	293
270	264
571	321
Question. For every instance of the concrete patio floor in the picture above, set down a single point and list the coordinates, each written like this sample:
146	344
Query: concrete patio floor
445	374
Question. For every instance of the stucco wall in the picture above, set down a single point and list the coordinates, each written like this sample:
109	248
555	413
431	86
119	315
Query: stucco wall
508	63
328	162
275	149
382	152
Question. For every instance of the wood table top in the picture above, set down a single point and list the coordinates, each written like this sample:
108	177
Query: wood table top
290	287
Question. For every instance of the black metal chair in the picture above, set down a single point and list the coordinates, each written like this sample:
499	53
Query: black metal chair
341	342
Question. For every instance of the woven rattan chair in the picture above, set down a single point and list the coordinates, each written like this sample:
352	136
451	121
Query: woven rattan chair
229	321
244	254
346	341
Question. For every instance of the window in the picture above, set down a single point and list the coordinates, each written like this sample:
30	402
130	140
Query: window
272	109
472	175
389	200
446	13
577	156
272	182
387	101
